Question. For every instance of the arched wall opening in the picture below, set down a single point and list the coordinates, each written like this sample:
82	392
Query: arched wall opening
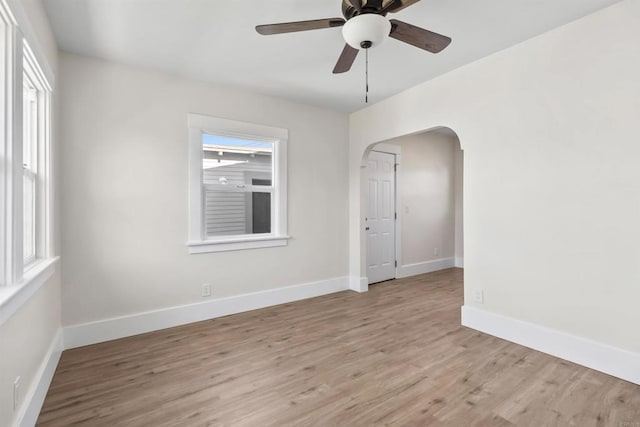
428	204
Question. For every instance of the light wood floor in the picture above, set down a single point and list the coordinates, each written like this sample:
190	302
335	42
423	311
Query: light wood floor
396	355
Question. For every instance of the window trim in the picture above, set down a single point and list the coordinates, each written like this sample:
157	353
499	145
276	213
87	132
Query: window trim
200	124
12	297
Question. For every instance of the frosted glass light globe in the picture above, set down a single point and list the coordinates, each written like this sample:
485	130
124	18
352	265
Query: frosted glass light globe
369	27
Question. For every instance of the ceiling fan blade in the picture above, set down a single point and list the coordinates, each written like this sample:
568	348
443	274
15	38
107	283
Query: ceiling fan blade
418	37
394	6
346	59
291	27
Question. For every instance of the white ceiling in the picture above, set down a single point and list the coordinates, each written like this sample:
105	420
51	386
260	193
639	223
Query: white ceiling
215	40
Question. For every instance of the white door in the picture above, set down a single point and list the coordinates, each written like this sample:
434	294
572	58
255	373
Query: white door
380	217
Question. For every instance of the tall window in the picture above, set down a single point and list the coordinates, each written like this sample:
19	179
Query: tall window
25	163
35	159
237	185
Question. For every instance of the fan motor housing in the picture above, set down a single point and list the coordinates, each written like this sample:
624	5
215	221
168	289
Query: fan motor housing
349	11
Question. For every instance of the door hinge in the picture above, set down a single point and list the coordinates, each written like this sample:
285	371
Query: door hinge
395	215
396	264
395	167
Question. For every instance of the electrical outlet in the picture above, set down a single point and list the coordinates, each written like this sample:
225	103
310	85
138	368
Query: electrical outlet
478	296
436	251
16	393
206	290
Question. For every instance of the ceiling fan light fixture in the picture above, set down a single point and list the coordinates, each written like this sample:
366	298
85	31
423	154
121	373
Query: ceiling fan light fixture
366	30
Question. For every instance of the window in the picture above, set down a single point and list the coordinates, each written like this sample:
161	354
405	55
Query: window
237	182
237	176
35	160
26	259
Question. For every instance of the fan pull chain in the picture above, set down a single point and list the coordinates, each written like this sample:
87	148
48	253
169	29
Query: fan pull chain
366	76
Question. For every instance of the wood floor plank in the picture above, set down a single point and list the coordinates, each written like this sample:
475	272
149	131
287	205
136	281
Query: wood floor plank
396	355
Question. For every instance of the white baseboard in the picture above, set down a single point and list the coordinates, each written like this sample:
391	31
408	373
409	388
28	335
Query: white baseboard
34	398
424	267
139	323
601	357
459	262
358	284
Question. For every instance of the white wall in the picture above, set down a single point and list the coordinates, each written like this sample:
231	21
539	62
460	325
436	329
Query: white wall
551	181
25	340
427	196
124	184
27	336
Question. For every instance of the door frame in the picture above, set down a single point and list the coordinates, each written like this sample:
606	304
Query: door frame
396	150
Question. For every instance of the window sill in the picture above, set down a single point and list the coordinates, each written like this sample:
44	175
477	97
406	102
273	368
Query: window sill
12	297
236	243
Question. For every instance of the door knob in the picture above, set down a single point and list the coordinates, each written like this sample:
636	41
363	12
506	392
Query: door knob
367	229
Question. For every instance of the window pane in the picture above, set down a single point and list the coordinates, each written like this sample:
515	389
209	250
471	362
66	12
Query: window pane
236	162
230	213
29	156
29	218
236	166
27	124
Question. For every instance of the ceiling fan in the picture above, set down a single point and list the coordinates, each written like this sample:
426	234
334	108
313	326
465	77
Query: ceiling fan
365	26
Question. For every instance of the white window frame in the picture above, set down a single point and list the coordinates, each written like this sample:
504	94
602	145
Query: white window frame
17	284
198	241
43	247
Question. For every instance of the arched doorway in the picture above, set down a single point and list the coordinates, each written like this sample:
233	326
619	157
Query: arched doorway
427	206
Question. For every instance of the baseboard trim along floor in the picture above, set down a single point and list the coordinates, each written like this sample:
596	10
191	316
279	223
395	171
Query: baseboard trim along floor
601	357
34	398
139	323
410	270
